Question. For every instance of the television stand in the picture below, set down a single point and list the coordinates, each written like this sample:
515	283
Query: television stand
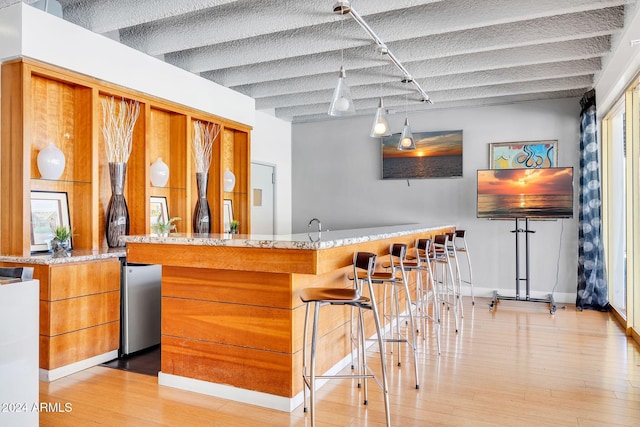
496	297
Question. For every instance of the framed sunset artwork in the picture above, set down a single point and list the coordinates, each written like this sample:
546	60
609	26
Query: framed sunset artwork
438	154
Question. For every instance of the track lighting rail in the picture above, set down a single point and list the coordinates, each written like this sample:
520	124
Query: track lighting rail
343	8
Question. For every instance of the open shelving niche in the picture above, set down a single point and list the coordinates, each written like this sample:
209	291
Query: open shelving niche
43	103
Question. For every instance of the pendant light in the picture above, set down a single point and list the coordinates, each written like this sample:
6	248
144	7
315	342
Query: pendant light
342	103
406	137
406	141
380	125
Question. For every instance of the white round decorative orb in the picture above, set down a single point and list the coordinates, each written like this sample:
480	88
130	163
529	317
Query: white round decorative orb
51	162
159	173
229	180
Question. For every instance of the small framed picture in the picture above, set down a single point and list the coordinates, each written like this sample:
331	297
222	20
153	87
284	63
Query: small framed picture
159	211
49	210
523	155
228	214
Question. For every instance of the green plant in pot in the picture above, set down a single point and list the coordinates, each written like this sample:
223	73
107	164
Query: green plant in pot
61	243
162	228
233	226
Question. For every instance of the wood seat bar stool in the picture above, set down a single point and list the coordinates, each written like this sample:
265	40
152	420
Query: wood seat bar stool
444	276
426	292
396	278
460	242
363	268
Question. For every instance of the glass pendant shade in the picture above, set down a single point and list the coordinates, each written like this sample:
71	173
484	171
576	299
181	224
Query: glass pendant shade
342	104
406	138
380	125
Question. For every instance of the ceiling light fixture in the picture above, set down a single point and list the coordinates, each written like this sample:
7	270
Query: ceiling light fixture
380	125
344	7
406	141
342	103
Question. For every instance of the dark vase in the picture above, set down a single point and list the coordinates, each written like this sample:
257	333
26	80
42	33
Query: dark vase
117	211
202	213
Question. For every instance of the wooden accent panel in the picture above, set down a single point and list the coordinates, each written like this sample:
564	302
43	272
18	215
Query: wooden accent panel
67	315
61	350
137	179
265	371
240	287
53	104
14	167
73	280
224	257
168	132
235	153
252	326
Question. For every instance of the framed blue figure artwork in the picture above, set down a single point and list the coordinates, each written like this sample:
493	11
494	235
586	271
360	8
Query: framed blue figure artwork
523	155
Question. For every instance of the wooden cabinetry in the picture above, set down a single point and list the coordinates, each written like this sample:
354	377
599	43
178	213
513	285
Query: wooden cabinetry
79	314
42	103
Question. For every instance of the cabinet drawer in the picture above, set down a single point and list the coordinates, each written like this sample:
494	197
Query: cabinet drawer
62	316
68	281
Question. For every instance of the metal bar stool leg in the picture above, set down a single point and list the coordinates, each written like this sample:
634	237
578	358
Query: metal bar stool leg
412	326
383	363
312	373
304	358
460	235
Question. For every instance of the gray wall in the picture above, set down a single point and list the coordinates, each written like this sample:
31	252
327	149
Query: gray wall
336	176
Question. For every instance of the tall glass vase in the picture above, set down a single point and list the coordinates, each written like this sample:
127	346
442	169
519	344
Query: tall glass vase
202	214
117	211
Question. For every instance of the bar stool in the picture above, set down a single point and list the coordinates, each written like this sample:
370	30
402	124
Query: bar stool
426	292
397	258
443	274
461	246
455	265
363	267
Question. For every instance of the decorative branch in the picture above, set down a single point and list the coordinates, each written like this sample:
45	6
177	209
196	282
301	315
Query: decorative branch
118	121
202	143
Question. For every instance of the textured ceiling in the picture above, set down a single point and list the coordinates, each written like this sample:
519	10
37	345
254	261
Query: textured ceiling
286	53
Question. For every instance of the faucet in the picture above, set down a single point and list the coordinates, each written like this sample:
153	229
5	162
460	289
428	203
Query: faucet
319	224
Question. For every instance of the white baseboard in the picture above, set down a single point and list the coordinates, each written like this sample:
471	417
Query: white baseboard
63	371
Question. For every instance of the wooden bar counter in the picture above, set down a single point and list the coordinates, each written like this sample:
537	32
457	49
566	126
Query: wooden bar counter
232	319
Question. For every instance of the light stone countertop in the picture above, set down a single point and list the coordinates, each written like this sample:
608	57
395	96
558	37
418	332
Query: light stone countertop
76	255
311	240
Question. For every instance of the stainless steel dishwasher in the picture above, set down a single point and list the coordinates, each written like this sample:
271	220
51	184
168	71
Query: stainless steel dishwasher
140	322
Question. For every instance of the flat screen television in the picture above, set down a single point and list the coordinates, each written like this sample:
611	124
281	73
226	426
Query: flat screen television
525	193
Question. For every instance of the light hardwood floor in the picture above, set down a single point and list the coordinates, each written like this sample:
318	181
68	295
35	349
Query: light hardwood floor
516	366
